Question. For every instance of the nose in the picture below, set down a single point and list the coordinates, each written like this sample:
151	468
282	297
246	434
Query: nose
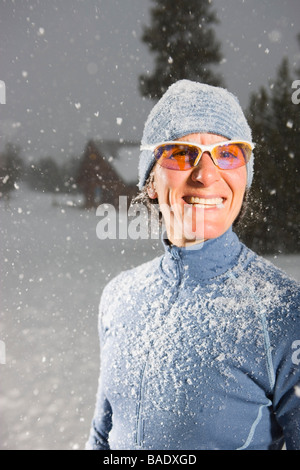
206	171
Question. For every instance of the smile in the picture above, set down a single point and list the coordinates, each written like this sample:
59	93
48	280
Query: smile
204	202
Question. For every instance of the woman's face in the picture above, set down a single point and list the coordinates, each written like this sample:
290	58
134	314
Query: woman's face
200	203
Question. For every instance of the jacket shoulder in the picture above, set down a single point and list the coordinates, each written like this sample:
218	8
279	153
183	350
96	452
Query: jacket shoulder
130	278
263	270
274	290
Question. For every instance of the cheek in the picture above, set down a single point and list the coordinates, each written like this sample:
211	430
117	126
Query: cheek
167	182
237	181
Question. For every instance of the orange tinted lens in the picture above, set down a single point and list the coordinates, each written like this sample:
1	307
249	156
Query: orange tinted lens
176	156
230	156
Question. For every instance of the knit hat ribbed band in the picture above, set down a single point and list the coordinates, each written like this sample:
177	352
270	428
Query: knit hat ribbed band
189	107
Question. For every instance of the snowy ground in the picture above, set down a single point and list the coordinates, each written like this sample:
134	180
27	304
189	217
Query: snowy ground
52	271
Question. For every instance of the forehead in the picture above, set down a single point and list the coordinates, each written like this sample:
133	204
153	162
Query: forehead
204	139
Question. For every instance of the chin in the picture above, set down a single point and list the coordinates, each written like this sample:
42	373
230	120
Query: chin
215	230
203	235
205	227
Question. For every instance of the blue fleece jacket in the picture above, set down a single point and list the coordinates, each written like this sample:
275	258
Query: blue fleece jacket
200	349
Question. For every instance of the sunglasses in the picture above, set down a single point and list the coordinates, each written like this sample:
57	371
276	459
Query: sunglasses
177	155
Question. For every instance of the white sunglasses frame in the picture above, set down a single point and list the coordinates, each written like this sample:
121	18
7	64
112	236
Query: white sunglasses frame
203	148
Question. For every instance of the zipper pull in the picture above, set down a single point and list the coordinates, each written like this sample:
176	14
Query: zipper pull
175	254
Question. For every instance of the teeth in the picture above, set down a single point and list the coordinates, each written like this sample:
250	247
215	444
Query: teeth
205	202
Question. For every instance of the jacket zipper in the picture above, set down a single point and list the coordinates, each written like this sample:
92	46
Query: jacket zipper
139	411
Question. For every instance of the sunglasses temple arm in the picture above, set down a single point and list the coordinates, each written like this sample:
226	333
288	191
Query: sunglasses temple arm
147	147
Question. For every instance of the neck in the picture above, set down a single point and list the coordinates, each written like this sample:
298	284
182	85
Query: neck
204	260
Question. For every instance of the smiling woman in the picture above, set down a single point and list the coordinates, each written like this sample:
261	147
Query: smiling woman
203	193
220	141
197	345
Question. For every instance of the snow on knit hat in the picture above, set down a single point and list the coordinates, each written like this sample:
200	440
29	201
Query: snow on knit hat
189	107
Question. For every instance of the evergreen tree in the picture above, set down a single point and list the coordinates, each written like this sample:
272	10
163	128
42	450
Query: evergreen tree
182	38
298	69
45	176
275	122
11	167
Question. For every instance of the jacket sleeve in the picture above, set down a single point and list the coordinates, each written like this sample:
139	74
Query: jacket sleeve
102	420
101	424
287	387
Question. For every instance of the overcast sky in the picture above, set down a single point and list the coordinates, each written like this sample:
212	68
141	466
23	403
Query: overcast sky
71	67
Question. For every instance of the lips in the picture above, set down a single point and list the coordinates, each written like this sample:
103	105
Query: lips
204	202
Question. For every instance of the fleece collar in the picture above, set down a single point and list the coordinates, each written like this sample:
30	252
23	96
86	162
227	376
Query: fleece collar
202	261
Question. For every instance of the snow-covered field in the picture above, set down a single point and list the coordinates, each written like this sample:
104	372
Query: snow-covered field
52	271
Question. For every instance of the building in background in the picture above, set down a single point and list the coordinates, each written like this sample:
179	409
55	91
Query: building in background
105	174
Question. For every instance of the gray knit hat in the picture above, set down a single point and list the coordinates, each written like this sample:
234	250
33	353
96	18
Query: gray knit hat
189	107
